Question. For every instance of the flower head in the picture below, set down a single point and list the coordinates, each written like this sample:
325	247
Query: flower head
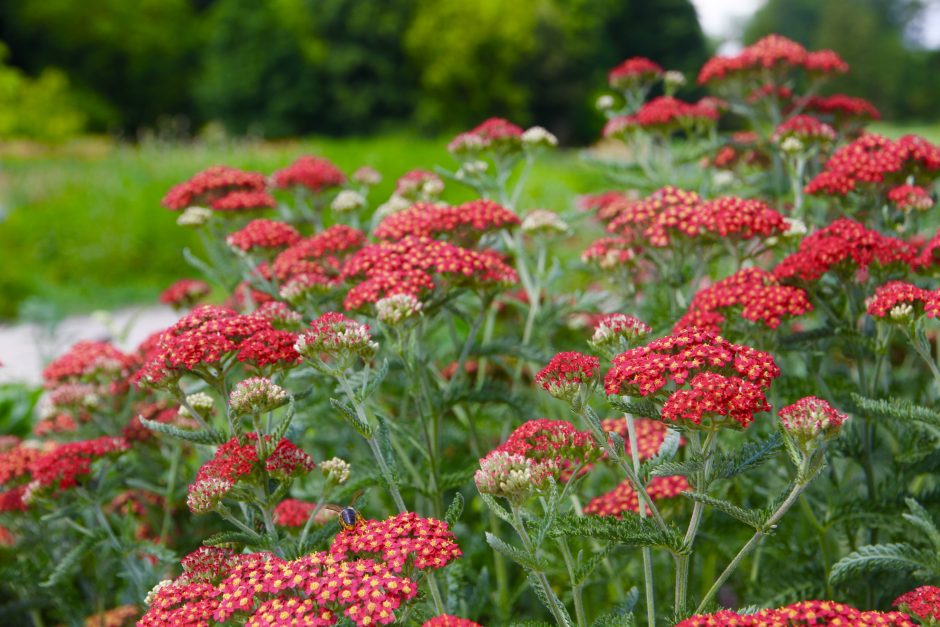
634	72
263	234
465	223
802	614
805	128
811	417
393	309
257	395
335	470
419	185
61	467
493	134
897	300
314	174
922	602
511	476
446	620
624	498
320	255
615	330
538	137
293	513
348	200
212	184
194	216
367	176
338	337
427	543
910	197
185	293
567	373
544	221
554	444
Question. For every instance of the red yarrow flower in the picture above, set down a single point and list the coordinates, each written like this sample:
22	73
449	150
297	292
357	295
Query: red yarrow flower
810	417
650	434
624	498
264	234
61	467
908	197
243	201
802	614
553	442
465	223
494	133
210	185
899	299
293	513
185	293
312	173
322	254
446	620
425	542
922	602
805	128
632	72
567	373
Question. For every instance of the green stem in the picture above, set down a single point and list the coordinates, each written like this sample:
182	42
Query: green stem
554	605
646	552
683	561
313	515
168	495
575	587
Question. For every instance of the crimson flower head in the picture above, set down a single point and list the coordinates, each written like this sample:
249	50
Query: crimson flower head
87	362
465	223
567	373
910	197
774	53
337	337
314	174
802	614
555	444
922	602
263	234
811	417
293	513
419	185
185	293
624	498
493	134
446	620
62	467
712	378
213	184
900	301
806	130
665	114
618	330
321	255
634	72
512	476
427	543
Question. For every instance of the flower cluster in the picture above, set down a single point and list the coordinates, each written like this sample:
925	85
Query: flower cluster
758	293
271	592
624	498
610	252
897	300
320	257
844	112
910	197
464	223
243	201
665	114
724	379
511	476
810	417
492	134
633	72
61	467
257	395
873	160
554	444
770	53
566	373
806	130
210	334
543	221
263	234
419	185
801	614
293	513
841	243
614	330
337	337
427	543
121	616
311	173
393	309
446	620
670	210
606	205
88	362
409	265
185	293
212	185
650	434
922	602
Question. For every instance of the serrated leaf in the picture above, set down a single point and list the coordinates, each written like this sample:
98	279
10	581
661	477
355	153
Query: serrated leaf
228	537
585	569
920	518
667	451
209	437
71	559
518	556
280	430
641	407
362	428
686	468
898	557
455	510
551	510
750	517
895	409
375	380
497	509
631	530
751	455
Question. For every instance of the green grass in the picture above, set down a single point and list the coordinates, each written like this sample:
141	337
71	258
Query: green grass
81	227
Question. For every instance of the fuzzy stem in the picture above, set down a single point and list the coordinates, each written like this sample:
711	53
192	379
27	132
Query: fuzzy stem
553	603
683	561
646	552
575	587
168	495
313	515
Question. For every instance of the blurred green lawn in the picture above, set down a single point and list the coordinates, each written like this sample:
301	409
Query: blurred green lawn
81	226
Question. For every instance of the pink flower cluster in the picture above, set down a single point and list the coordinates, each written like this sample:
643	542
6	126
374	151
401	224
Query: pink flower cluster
771	52
427	543
264	234
899	298
213	186
670	210
210	334
88	361
319	257
633	71
494	133
567	372
801	614
312	173
464	223
624	498
843	242
665	113
806	128
873	160
910	197
554	444
650	434
410	265
811	416
723	379
271	592
185	293
922	602
446	620
757	292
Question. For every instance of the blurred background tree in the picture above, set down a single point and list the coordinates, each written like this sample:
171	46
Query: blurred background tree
292	67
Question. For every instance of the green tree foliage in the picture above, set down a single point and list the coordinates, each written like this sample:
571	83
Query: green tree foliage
872	36
40	108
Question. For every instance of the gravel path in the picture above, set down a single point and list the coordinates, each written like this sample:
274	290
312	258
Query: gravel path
26	348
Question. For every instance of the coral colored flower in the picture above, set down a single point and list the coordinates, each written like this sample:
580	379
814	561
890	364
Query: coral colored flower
15	463
393	309
650	434
243	201
770	53
810	417
553	442
632	72
63	466
908	197
312	173
566	373
419	184
122	616
338	337
185	293
293	513
624	498
897	300
606	205
446	620
494	133
265	234
425	542
464	223
322	254
610	252
665	114
922	602
843	245
7	539
411	265
615	329
210	185
804	128
724	379
257	395
802	614
760	296
87	361
840	107
512	476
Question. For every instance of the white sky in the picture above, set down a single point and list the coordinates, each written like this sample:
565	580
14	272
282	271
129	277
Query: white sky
724	19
